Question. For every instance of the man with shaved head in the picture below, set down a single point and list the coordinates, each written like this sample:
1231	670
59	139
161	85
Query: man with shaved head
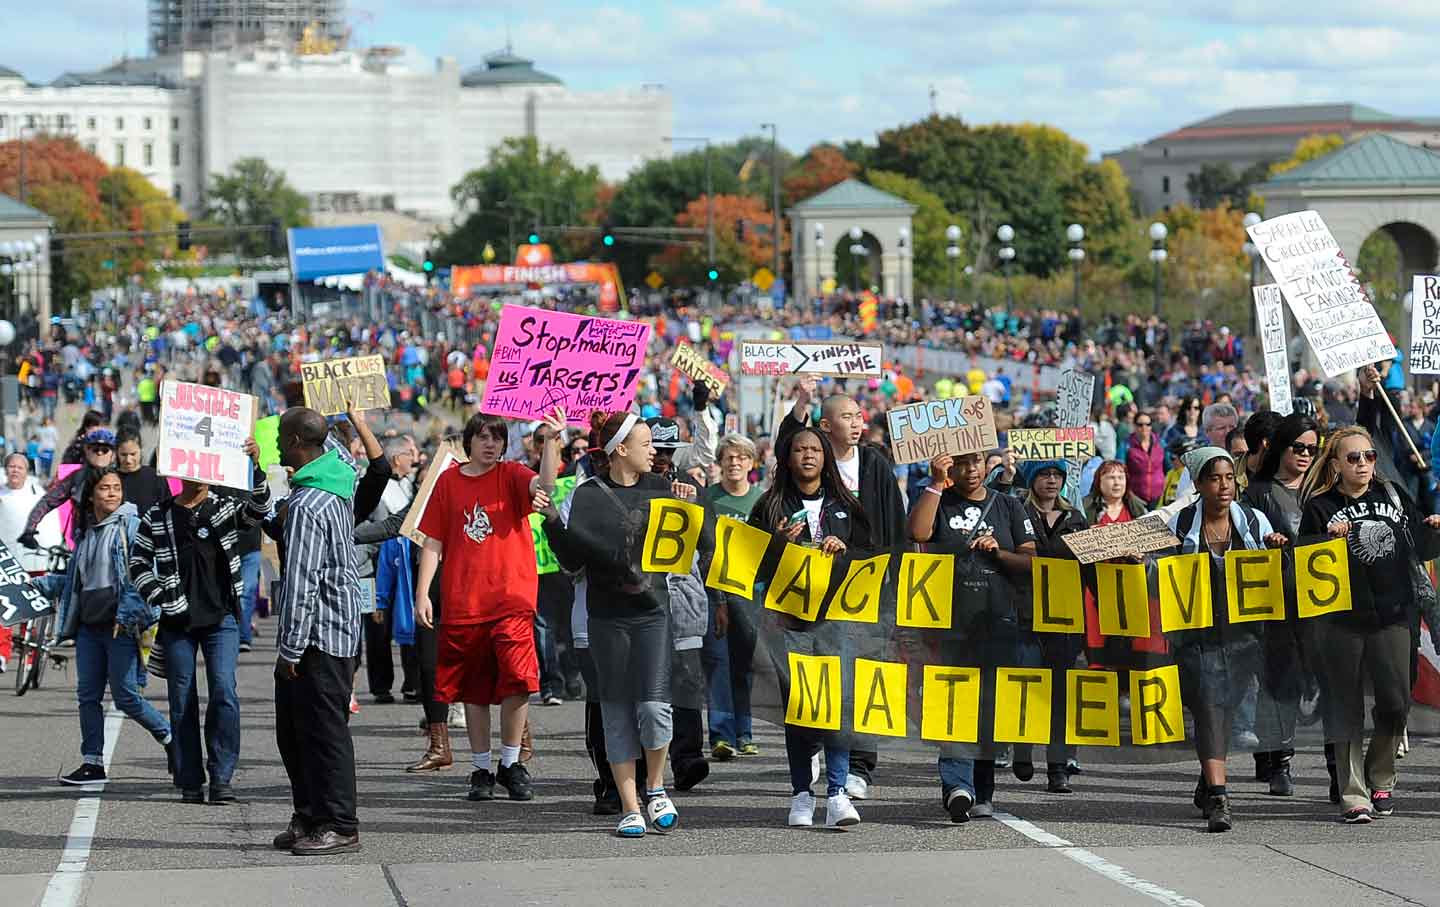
318	639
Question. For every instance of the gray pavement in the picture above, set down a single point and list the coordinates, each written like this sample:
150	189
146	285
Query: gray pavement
1130	834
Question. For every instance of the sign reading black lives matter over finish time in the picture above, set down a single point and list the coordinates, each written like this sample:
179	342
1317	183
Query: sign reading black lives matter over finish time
803	357
1321	287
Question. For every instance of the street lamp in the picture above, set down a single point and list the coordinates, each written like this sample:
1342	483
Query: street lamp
1076	235
819	257
856	248
1158	232
902	250
1006	235
952	252
1253	255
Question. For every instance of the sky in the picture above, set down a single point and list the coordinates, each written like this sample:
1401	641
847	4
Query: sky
1109	72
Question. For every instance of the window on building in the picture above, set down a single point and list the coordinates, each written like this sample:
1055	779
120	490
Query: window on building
90	147
147	154
62	121
3	121
31	121
119	124
119	154
178	193
1164	152
90	123
175	154
1165	184
146	123
175	124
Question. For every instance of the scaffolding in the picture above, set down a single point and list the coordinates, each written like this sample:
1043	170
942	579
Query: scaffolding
179	25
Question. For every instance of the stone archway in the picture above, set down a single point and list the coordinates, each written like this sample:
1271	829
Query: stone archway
820	235
860	272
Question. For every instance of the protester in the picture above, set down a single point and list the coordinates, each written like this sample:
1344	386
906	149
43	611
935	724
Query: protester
143	486
186	563
318	638
379	632
19	495
98	453
1145	461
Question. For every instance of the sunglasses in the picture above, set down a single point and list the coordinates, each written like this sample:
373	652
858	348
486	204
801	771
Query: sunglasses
1306	450
1142	424
99	448
1354	457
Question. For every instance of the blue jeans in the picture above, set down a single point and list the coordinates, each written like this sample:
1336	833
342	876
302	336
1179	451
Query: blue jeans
729	675
221	648
800	746
250	574
100	659
976	776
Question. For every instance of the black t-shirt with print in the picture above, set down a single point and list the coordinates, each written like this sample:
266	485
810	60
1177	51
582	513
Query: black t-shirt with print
957	517
1380	550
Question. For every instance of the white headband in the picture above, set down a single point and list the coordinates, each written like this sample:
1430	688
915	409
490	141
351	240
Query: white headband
622	434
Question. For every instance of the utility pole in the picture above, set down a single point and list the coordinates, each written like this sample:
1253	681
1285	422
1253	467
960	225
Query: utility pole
774	195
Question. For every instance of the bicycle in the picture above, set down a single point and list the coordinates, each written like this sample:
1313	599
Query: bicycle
33	642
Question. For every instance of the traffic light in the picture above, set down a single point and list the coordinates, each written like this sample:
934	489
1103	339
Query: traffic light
429	266
713	274
607	235
182	235
533	239
740	228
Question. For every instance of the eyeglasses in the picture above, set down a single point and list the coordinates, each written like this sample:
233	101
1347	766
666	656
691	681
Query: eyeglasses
1306	450
1145	424
99	448
1354	456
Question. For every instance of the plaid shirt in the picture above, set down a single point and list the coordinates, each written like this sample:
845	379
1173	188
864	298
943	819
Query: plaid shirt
154	564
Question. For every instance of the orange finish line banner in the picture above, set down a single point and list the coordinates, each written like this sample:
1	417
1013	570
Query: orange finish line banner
465	278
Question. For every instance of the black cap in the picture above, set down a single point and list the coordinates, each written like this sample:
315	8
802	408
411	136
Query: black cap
665	433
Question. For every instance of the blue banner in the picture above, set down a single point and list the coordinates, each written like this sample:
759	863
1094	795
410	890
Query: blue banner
812	332
330	251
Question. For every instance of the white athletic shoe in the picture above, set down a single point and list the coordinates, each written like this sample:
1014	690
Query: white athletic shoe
456	717
857	788
802	811
984	810
839	813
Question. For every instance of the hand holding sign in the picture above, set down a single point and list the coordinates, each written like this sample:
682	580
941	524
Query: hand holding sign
252	450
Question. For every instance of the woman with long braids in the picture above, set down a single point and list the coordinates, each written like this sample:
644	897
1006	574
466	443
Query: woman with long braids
1387	539
809	504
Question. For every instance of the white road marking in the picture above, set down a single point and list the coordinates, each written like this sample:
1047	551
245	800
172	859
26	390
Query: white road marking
67	885
1096	863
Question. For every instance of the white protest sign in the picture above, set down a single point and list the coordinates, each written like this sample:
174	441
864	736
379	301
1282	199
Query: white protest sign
202	434
1072	410
1425	325
809	357
1270	315
1329	303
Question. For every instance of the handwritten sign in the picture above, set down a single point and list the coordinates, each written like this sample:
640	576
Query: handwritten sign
448	454
19	600
547	359
1321	287
1072	410
808	357
1052	443
202	434
1425	325
1118	539
1271	317
687	361
335	386
921	432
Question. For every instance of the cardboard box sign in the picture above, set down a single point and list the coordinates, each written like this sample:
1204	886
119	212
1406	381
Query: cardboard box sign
697	368
202	434
809	357
921	432
335	386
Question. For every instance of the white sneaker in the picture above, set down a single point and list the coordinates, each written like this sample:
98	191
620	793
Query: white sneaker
857	788
815	768
985	810
802	811
456	717
839	813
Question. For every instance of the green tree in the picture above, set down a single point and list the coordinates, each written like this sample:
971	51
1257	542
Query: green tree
1217	184
522	187
927	228
133	203
253	193
1308	149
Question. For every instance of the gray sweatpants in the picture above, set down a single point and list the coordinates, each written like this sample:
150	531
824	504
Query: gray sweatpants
1347	657
632	727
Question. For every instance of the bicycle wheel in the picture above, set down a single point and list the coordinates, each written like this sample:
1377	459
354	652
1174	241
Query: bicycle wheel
24	657
42	649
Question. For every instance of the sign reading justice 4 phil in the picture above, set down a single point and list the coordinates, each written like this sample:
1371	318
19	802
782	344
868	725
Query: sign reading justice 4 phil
202	434
338	385
923	431
801	357
547	359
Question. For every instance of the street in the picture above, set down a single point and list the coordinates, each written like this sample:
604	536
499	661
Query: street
1128	836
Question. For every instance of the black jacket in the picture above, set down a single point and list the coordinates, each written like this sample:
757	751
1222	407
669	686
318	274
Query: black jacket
879	490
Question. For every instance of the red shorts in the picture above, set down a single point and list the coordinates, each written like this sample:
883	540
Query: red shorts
485	663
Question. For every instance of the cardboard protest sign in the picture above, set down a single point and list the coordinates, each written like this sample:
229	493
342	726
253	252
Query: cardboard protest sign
203	432
545	560
1320	285
446	456
1425	325
334	386
1072	410
1052	443
1271	317
698	368
19	600
921	432
547	359
1101	543
809	357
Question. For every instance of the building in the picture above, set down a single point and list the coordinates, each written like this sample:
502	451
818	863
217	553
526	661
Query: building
179	25
354	130
1158	169
24	264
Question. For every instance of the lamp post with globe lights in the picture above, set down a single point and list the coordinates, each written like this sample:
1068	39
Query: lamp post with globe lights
1006	235
857	249
1076	235
1158	254
952	252
902	248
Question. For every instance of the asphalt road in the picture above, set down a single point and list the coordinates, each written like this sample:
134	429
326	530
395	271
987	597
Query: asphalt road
1128	836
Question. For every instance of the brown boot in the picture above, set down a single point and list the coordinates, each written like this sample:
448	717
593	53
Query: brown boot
438	755
527	745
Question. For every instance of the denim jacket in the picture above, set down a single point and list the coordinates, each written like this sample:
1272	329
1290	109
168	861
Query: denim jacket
134	614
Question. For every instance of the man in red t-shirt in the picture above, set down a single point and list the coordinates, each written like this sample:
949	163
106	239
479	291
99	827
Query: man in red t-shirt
477	521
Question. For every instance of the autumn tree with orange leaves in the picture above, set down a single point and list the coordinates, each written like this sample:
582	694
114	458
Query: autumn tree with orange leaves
735	259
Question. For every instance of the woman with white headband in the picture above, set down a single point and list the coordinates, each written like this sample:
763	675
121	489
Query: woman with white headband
629	626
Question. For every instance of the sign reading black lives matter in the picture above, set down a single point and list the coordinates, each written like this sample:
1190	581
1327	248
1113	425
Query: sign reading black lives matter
334	386
804	357
547	359
1327	298
19	600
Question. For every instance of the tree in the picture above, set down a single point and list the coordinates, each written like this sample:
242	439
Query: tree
521	188
927	228
253	193
1215	184
134	203
735	259
1308	149
822	167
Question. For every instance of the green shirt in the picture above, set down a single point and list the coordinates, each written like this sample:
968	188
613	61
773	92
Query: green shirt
737	506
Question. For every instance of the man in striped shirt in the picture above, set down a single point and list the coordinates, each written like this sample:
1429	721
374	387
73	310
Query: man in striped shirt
318	639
